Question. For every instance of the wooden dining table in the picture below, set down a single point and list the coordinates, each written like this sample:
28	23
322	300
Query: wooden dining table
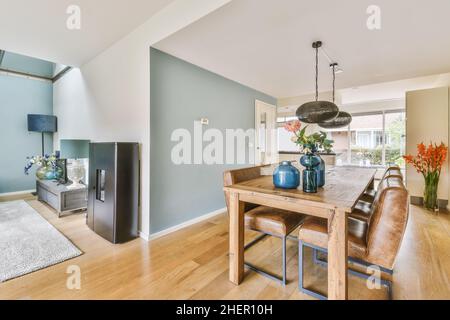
344	186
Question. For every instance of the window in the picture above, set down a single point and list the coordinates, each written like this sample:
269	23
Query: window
284	141
364	139
341	141
395	138
366	149
375	139
284	138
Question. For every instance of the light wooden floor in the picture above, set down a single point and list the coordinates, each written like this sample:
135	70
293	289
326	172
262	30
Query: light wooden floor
192	264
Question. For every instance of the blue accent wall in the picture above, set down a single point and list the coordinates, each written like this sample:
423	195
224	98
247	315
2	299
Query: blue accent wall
74	149
182	93
21	63
18	97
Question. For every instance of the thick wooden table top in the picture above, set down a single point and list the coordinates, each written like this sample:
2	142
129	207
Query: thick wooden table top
343	187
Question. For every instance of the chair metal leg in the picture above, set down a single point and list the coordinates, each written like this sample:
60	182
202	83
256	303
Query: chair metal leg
291	237
316	260
255	241
300	265
301	272
283	278
284	260
390	293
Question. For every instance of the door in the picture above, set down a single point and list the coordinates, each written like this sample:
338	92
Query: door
265	133
103	189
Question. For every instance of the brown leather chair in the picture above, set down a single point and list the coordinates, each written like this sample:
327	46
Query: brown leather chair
372	243
392	171
269	221
363	208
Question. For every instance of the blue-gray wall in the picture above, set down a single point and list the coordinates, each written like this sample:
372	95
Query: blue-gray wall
18	62
182	93
74	149
19	97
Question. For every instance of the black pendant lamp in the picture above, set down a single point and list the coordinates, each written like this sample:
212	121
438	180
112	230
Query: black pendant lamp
344	118
317	111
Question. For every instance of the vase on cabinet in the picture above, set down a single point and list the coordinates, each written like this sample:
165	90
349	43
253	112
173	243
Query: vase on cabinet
75	173
310	181
286	176
49	173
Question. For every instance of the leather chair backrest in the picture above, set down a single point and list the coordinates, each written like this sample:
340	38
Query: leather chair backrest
392	171
388	222
240	175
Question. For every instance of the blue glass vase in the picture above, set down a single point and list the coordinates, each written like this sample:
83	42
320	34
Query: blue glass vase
310	161
309	181
320	170
49	173
286	176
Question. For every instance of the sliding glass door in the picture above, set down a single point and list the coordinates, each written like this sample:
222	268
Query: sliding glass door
395	138
366	143
372	139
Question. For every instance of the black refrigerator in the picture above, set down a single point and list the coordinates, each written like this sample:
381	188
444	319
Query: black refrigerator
113	200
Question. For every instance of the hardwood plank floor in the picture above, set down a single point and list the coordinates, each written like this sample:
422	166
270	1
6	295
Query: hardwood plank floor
192	263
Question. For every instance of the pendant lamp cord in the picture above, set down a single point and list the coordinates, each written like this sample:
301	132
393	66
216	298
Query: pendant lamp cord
334	81
317	73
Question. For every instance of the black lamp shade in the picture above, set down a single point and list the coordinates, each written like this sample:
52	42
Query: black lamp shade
342	120
317	111
42	123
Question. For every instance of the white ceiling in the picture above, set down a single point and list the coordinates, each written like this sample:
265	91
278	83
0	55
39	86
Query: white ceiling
38	28
266	44
393	90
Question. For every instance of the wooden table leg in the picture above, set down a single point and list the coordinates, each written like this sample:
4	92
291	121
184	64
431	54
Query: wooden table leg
337	256
236	239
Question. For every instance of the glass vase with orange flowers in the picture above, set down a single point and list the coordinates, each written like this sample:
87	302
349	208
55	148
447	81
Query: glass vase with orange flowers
428	162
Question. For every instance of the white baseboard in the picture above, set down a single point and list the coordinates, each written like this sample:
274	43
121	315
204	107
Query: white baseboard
144	236
186	224
16	193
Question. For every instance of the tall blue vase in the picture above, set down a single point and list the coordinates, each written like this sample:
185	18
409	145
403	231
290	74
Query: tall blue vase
310	181
286	176
320	170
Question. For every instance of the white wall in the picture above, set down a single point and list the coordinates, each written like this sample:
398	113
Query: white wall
427	113
372	106
108	98
288	106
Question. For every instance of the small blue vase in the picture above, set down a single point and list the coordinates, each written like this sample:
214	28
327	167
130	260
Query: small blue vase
286	176
310	181
320	170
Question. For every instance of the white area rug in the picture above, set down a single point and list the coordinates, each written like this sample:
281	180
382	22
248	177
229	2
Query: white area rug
28	242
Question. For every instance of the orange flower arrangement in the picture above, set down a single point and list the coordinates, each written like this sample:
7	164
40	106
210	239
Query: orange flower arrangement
429	159
428	162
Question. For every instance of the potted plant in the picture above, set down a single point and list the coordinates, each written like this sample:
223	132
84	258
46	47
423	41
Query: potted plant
47	168
310	145
428	162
